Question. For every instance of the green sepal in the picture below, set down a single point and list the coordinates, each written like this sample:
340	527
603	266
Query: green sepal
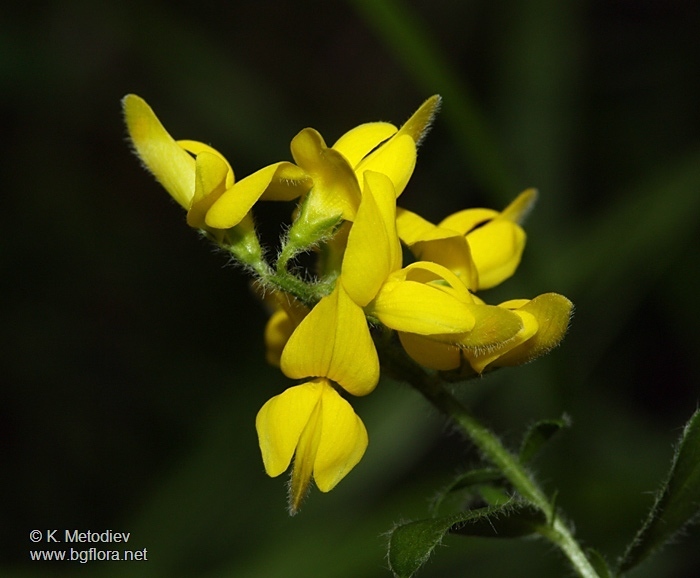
677	502
308	230
411	544
244	246
538	435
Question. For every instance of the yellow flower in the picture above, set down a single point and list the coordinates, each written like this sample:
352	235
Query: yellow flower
337	171
313	424
550	313
198	177
482	246
513	333
382	148
334	340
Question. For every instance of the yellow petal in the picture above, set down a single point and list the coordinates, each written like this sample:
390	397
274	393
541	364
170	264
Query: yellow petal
413	228
313	423
373	249
495	327
418	125
396	159
496	249
169	163
430	353
357	143
552	312
466	220
280	423
333	341
441	245
237	200
342	443
195	147
211	174
520	207
497	335
290	182
335	190
439	275
287	313
278	330
420	308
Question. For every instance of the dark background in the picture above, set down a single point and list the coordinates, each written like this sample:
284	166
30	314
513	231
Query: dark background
132	355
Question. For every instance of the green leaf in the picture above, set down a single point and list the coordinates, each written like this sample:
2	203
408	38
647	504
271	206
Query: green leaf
677	503
471	480
539	434
411	544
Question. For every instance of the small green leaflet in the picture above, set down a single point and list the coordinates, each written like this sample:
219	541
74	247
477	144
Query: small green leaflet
411	544
538	435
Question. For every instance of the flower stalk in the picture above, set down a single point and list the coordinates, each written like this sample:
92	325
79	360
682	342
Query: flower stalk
432	388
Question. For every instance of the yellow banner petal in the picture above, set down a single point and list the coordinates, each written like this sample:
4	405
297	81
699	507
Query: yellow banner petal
170	164
496	249
520	207
396	159
333	341
358	142
418	125
466	220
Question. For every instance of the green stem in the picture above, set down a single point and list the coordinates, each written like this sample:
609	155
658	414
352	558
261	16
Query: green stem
556	531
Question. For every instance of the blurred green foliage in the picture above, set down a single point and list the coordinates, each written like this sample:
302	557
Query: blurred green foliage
132	357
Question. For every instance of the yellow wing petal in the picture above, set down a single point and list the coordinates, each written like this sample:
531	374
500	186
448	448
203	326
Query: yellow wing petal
420	308
430	353
211	175
280	423
342	443
237	200
373	249
196	147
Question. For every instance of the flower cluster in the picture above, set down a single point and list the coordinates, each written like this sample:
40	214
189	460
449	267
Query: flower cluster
325	332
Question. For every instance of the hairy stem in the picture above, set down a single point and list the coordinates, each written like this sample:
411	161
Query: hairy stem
556	531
